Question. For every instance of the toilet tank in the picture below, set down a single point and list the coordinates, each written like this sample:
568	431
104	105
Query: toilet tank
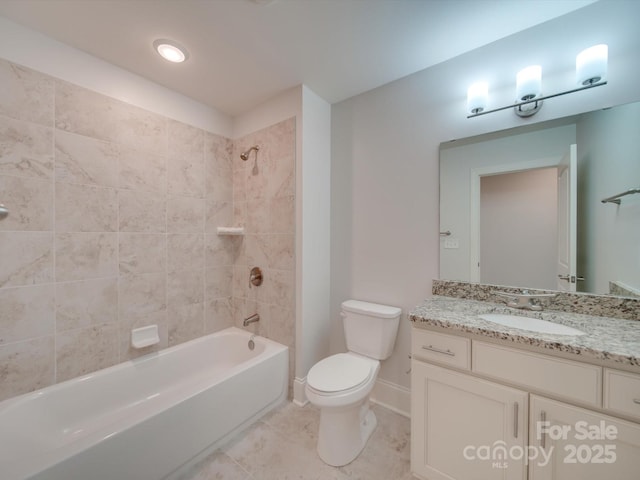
369	328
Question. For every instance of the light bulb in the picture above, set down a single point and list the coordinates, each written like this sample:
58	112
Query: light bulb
477	97
171	51
529	83
591	65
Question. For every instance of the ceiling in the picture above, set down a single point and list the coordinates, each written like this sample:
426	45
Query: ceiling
243	52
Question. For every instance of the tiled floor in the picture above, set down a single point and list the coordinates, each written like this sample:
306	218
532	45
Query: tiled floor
282	446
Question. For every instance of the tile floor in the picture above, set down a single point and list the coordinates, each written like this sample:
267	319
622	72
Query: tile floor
282	446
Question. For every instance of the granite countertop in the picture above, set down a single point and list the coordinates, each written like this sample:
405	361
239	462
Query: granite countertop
609	339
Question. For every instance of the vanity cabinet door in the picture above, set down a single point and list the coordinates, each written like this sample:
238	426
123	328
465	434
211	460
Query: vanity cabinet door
580	444
461	426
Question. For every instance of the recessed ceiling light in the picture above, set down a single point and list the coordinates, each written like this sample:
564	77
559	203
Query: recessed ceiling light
170	50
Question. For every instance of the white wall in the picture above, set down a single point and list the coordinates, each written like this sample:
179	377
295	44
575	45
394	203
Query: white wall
385	159
44	54
518	234
610	234
313	242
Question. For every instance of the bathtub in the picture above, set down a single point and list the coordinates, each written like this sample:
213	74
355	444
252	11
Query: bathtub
148	418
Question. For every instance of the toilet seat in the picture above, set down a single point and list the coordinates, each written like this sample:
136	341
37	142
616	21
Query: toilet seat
340	374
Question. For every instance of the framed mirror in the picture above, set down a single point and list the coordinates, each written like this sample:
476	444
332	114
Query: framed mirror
509	214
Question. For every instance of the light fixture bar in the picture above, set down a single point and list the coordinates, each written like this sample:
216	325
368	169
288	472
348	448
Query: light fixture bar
538	99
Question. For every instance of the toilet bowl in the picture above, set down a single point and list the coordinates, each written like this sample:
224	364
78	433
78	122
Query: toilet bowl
340	384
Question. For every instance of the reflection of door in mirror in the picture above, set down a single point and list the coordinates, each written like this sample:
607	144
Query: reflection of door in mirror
527	226
567	221
518	216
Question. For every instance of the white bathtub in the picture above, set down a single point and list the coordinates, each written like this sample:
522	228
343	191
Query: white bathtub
145	418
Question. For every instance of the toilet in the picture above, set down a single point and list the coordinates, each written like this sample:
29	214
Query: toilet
340	384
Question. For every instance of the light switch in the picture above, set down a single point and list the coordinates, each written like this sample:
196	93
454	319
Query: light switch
451	243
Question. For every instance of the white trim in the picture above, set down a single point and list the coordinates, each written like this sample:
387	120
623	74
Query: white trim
474	203
299	395
394	397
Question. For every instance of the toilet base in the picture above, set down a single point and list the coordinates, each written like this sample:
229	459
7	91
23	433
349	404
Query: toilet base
344	432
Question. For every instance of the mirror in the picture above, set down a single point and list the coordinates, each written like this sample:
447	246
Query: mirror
505	205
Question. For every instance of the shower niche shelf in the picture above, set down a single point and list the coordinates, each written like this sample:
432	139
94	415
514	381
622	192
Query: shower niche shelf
231	231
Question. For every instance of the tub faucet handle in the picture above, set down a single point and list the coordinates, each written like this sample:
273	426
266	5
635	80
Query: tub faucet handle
255	277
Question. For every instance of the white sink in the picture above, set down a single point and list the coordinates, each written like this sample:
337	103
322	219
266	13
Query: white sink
531	324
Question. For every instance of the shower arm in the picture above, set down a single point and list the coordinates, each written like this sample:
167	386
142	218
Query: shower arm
245	155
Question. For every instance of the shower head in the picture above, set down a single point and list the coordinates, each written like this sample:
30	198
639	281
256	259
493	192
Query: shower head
245	155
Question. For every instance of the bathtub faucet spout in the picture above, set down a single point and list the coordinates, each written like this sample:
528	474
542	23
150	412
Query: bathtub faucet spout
252	319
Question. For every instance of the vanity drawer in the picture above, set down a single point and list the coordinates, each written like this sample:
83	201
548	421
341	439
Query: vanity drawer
622	392
554	376
441	348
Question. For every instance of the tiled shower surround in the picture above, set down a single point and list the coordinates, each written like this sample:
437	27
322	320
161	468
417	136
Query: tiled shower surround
112	226
264	203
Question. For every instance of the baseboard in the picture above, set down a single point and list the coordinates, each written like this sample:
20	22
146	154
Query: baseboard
299	395
394	397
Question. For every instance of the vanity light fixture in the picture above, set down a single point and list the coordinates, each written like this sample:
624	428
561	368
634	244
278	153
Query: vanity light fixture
170	50
591	71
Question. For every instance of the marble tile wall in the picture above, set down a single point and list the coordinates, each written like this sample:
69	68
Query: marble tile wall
112	226
264	203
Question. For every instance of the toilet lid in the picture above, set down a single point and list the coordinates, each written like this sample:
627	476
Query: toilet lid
338	372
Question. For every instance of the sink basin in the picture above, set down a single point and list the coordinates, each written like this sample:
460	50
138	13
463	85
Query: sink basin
531	324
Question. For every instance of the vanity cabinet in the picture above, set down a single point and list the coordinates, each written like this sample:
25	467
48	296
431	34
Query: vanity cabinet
581	444
456	419
622	393
473	401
